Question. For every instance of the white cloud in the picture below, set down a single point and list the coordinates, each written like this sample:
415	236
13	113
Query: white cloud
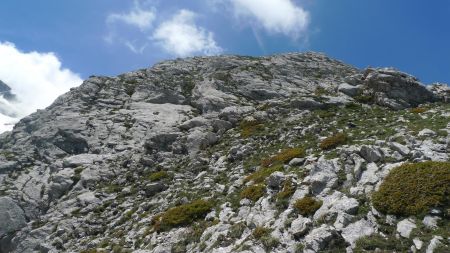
138	17
181	36
275	16
36	79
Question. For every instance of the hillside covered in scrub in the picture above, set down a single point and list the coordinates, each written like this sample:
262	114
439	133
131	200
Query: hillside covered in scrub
285	153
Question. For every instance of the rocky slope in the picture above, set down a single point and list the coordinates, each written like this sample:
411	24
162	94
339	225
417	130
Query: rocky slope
228	154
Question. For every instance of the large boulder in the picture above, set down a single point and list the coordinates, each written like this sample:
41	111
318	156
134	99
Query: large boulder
396	89
12	217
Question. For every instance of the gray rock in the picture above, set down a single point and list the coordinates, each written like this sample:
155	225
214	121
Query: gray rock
418	243
319	238
402	149
396	89
431	221
405	227
12	217
434	243
356	230
426	133
322	175
152	189
276	179
348	89
371	154
297	162
300	226
334	204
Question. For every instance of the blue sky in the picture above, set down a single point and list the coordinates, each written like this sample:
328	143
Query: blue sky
412	35
49	46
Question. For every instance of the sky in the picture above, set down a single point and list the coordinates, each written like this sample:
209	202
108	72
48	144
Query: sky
49	46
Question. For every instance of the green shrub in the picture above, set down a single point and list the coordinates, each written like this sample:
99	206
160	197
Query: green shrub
414	188
307	205
262	234
418	110
253	192
182	215
157	176
363	98
284	156
260	175
250	127
333	141
373	242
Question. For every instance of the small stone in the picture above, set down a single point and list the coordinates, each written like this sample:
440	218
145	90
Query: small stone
405	227
300	226
418	243
434	243
426	133
297	162
430	221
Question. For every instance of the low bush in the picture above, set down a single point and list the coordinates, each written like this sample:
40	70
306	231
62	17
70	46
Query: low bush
250	127
284	156
333	141
182	215
260	175
307	206
262	234
253	192
157	176
414	188
419	110
374	242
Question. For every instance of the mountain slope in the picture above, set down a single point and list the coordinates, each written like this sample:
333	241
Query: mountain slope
213	153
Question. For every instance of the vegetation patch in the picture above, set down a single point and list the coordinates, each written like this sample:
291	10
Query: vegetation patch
374	242
182	215
307	206
419	110
253	192
284	156
261	175
157	176
333	141
262	234
284	195
250	127
414	188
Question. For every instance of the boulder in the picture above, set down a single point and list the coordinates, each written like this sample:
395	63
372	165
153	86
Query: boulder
396	89
349	90
371	154
12	217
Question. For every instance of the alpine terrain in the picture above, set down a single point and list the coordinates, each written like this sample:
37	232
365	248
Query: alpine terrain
286	153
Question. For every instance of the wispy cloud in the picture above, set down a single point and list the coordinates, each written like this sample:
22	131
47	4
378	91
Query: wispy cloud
275	16
181	36
137	16
36	79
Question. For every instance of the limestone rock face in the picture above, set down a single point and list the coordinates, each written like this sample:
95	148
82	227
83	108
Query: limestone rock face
212	154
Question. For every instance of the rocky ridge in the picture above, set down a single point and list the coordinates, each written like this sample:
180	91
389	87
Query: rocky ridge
213	154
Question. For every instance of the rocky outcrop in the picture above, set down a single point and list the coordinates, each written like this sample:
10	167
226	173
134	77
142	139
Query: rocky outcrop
119	164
